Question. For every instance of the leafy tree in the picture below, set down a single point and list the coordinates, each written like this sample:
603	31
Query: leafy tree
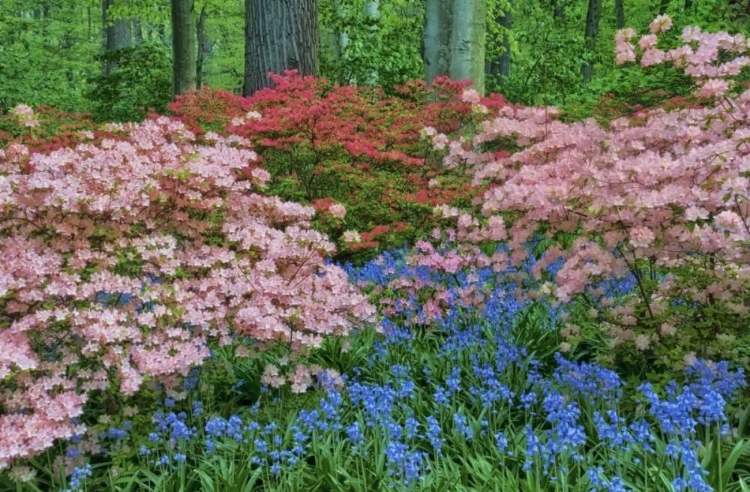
356	44
140	80
46	52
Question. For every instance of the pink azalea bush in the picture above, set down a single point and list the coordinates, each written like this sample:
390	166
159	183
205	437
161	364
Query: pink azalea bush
661	198
186	251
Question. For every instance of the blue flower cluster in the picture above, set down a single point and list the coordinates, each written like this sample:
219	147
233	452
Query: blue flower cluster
479	385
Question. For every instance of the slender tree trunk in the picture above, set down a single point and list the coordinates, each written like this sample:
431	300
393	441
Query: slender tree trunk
280	35
183	46
202	48
372	12
341	41
593	15
341	38
436	45
619	14
116	36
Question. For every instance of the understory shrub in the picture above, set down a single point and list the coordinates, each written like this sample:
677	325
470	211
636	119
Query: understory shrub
661	198
327	144
138	81
127	258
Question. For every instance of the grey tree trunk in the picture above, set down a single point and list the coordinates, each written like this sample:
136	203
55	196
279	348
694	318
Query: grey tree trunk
279	35
437	38
200	32
116	36
593	15
468	39
454	40
619	14
183	47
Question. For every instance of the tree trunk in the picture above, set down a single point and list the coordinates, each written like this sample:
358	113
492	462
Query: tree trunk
116	37
342	40
454	40
436	37
280	35
593	15
372	12
468	42
183	47
200	32
619	14
501	66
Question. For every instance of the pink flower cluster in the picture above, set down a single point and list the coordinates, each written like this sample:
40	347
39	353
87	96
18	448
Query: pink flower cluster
699	57
24	115
664	190
208	256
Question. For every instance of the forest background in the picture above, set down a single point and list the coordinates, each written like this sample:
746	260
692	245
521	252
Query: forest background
114	57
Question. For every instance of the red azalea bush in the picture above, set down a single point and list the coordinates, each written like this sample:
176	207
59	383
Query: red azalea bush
123	260
353	146
660	199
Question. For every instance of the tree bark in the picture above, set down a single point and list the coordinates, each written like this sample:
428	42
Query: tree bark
454	40
619	14
116	37
200	32
593	15
437	38
468	39
183	47
280	35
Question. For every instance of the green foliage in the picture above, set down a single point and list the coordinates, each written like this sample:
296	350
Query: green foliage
141	80
383	51
45	54
355	146
548	53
